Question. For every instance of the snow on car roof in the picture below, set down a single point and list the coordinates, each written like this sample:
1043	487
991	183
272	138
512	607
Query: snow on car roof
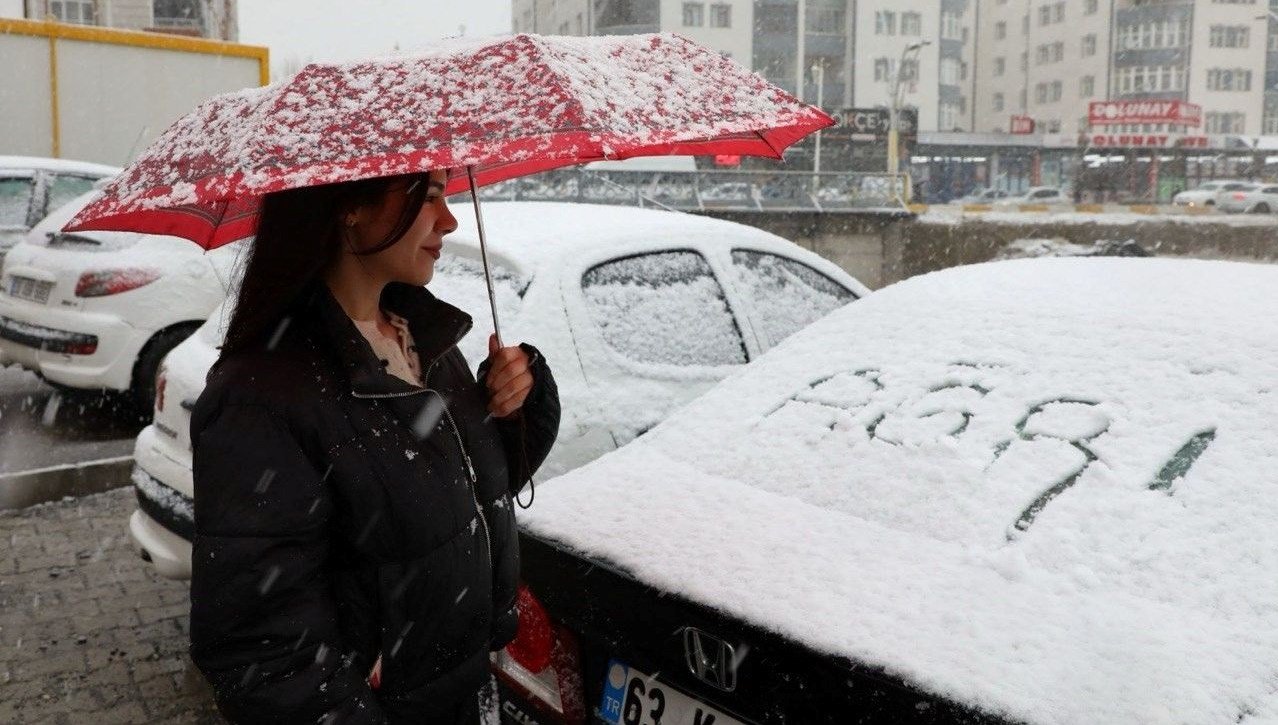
30	163
1047	488
526	235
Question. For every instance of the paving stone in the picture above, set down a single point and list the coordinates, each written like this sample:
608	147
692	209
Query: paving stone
89	633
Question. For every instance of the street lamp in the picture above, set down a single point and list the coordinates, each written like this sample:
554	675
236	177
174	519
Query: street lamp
894	113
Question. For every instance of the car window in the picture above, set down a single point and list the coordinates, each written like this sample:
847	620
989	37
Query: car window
63	188
664	308
1234	187
1269	190
1212	186
787	295
15	200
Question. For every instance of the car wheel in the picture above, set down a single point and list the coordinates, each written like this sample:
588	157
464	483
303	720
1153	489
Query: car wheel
1261	208
148	365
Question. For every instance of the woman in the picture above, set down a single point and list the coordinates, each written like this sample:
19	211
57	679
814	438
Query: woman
353	481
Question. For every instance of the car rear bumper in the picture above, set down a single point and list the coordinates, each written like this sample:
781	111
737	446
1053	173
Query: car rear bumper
170	553
49	341
164	523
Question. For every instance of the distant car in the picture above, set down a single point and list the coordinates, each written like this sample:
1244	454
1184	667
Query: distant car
1206	193
1036	491
983	196
638	311
100	310
1250	199
31	187
1036	195
1031	248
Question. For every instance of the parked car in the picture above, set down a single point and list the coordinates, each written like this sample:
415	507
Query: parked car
638	311
1036	491
983	196
1036	195
1206	193
31	187
100	310
1250	199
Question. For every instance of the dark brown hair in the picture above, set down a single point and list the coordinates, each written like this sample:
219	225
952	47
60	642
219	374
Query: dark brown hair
299	235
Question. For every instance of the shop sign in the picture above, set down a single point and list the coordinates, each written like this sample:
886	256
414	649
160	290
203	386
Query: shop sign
1176	113
1149	140
875	122
1022	125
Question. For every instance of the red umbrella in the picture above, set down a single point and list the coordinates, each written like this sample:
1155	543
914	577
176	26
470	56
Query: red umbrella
488	110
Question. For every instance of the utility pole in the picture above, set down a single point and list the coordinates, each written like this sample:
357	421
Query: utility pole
801	59
894	115
818	71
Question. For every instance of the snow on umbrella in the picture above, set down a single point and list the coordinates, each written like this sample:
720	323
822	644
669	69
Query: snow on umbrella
487	110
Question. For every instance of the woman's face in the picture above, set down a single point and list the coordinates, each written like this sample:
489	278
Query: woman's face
412	259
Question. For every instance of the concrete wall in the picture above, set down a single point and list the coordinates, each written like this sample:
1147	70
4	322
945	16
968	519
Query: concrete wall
26	125
11	9
882	248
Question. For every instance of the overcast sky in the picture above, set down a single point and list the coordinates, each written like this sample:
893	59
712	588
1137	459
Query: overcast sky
334	30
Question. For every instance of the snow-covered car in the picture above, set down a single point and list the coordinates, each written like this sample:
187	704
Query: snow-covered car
638	311
100	310
1058	247
1037	491
983	196
1036	195
31	187
1250	199
1205	194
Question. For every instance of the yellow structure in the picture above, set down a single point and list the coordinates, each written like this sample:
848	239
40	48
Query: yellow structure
61	34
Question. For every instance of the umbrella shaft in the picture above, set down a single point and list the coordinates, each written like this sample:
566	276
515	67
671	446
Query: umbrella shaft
483	252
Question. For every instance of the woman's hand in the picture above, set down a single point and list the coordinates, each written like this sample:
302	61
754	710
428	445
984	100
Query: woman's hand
509	379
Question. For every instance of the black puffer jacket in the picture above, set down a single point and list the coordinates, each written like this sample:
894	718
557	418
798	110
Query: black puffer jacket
342	513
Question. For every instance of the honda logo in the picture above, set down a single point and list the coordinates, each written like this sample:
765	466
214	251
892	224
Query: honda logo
710	659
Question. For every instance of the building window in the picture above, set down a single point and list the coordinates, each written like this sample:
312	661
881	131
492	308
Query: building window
1149	79
178	14
1225	122
1228	79
1000	66
998	101
1155	34
912	24
1000	30
1089	45
827	20
1040	93
79	12
910	70
721	16
949	116
1058	89
882	70
1091	7
1087	86
1045	15
951	72
1271	125
1230	36
694	15
951	26
885	23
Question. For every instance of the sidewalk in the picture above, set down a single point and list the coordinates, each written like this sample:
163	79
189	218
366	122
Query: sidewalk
88	632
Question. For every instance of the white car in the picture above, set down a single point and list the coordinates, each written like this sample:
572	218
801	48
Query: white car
100	310
1206	193
637	311
1036	195
31	187
1038	491
1249	199
983	196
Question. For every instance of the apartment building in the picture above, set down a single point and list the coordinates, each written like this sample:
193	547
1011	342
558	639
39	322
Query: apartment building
1047	59
215	19
850	49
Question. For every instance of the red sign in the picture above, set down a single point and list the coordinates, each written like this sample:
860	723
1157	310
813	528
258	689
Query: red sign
1176	113
1148	140
1022	125
727	160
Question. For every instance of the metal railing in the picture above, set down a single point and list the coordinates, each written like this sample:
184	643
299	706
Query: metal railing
708	190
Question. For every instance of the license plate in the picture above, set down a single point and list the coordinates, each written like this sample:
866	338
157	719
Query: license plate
30	289
632	698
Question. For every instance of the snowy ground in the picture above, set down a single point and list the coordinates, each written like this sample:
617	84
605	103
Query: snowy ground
88	632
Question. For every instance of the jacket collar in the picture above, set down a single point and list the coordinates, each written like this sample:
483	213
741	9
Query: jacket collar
436	327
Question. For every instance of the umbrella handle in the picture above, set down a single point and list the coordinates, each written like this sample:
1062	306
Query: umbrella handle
483	252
